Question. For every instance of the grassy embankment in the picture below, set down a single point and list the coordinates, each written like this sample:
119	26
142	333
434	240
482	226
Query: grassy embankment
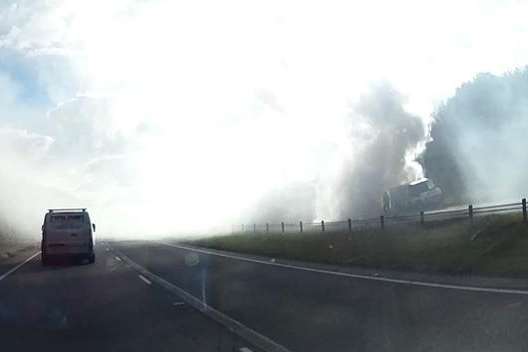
11	242
496	245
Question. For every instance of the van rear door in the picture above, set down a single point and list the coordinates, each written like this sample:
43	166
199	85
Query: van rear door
70	231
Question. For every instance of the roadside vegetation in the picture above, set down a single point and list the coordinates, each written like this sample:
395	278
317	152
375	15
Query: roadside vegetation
8	247
11	242
493	245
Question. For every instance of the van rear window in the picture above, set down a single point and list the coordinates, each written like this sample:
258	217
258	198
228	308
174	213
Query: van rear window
67	221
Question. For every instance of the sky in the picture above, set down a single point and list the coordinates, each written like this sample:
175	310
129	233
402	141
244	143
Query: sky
174	116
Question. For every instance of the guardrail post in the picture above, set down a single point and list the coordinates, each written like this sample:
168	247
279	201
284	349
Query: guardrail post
254	228
242	228
470	213
322	226
300	227
282	227
422	219
349	225
382	221
267	228
525	215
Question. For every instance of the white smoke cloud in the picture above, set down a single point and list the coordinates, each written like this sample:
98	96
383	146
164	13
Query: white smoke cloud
179	115
388	138
23	143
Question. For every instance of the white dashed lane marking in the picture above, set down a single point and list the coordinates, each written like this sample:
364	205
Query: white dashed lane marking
145	280
256	339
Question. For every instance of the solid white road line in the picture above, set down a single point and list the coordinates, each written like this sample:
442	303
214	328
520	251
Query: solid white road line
18	266
255	338
355	276
147	281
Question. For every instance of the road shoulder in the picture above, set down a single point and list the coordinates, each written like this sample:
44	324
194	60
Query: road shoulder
441	279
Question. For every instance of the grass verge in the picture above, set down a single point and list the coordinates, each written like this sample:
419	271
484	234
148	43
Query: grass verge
493	245
9	246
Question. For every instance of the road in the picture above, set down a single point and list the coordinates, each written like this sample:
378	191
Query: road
104	306
246	303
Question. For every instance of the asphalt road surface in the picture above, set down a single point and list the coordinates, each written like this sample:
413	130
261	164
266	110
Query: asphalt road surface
245	304
99	307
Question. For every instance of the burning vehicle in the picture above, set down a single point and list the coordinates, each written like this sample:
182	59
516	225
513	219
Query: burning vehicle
418	195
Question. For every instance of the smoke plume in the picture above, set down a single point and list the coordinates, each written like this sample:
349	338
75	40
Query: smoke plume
174	116
385	140
379	152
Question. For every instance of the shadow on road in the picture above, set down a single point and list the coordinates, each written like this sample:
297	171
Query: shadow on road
64	262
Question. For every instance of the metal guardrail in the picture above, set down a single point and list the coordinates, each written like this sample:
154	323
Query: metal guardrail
383	221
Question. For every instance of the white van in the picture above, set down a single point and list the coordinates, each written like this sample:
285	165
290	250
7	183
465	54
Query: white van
67	232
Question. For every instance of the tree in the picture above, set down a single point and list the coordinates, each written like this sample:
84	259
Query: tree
478	137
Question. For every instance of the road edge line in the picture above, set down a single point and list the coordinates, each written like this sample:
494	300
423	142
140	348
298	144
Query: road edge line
354	276
12	270
250	335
